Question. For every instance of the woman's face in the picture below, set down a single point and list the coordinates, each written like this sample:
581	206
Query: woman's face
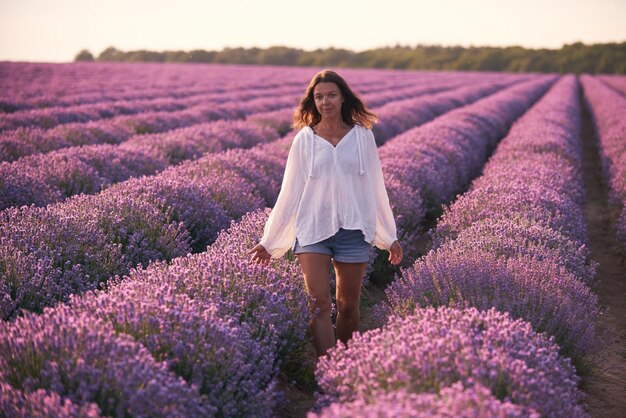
328	99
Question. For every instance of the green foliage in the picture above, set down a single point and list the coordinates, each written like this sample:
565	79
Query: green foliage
84	55
575	58
114	54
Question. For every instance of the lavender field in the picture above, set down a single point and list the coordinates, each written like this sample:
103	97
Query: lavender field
130	194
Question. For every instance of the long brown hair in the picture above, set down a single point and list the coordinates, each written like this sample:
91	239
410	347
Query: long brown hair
353	111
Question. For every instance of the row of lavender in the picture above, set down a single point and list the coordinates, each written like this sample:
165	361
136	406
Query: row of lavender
49	253
32	85
502	302
608	110
617	82
52	177
431	164
52	116
179	313
38	85
21	142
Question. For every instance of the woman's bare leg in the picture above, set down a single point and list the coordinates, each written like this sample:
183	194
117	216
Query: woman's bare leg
349	280
315	268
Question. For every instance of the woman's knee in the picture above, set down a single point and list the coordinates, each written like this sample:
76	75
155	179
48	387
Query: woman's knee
320	305
348	308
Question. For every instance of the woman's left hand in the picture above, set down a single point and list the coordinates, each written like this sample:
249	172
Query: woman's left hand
259	254
395	253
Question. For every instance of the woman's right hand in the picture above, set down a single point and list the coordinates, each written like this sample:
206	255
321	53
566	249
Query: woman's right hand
395	253
259	254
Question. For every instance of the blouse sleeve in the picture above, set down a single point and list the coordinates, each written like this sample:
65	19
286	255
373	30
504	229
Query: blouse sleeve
385	232
279	233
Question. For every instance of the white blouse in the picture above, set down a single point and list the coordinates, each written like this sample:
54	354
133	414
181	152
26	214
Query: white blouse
328	187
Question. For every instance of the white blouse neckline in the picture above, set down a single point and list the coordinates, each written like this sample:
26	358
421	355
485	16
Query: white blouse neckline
328	142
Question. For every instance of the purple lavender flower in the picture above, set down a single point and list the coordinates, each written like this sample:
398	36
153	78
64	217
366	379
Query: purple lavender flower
272	299
144	230
435	348
615	81
212	352
82	358
47	255
550	298
508	237
42	403
452	401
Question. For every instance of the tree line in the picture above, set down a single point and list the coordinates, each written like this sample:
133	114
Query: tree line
575	58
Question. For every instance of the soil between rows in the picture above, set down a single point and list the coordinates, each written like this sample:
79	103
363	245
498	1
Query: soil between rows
606	387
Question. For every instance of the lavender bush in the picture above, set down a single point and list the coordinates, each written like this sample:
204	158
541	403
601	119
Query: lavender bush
42	403
27	85
453	401
435	348
47	255
52	116
144	230
82	358
129	108
615	81
514	237
551	299
119	129
514	200
48	178
212	352
272	299
186	313
222	325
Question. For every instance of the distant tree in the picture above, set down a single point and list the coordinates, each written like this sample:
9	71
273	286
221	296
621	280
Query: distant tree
84	55
176	56
237	56
333	57
144	56
199	55
111	54
278	55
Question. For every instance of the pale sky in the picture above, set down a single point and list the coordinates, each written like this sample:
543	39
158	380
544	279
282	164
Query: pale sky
56	30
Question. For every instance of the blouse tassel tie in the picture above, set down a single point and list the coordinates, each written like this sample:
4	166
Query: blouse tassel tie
312	154
358	143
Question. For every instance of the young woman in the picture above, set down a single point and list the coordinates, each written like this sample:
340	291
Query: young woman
332	204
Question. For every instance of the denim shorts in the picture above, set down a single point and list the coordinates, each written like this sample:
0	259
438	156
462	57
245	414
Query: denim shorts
346	246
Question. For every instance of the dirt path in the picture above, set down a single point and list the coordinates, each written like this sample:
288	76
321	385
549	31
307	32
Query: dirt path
606	388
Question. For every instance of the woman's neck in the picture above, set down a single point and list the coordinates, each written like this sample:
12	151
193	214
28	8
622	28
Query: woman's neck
331	124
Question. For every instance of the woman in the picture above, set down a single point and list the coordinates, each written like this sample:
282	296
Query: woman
332	204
